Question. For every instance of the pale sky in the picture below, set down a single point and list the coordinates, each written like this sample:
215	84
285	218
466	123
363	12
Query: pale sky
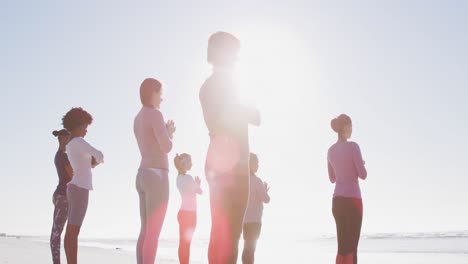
398	68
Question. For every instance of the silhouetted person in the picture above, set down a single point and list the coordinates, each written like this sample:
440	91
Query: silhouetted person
227	162
83	157
65	173
253	216
154	137
345	167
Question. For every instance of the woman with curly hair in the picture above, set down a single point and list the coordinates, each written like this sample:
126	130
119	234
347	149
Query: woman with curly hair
345	167
65	173
82	158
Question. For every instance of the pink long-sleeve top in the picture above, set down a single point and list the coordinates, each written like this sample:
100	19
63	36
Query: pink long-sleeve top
153	139
345	167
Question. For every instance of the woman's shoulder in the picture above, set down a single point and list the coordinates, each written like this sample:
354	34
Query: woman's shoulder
332	147
75	141
151	111
153	115
207	87
353	144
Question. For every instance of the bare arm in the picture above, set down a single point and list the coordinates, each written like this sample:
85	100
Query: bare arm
68	171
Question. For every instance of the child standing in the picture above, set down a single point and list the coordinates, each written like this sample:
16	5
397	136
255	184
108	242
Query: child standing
187	216
253	215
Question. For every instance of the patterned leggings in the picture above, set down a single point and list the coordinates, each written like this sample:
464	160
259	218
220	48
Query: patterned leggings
60	217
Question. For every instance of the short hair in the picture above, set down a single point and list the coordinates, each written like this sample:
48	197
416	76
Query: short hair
221	45
75	118
147	88
338	123
253	157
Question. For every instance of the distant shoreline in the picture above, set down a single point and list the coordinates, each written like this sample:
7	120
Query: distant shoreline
380	235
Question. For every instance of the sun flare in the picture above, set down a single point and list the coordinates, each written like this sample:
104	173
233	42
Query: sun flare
272	64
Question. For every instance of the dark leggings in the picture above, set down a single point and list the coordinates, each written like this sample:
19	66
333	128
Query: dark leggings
60	218
187	223
251	232
348	217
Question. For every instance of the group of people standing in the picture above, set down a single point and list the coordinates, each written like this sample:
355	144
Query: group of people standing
236	193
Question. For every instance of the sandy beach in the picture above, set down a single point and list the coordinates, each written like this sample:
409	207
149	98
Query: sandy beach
31	250
22	250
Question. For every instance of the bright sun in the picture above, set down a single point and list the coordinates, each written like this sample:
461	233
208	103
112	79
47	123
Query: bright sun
271	67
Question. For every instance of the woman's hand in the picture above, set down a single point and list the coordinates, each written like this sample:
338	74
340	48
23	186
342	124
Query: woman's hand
267	188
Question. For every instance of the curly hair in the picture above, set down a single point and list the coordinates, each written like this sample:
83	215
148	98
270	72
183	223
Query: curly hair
75	118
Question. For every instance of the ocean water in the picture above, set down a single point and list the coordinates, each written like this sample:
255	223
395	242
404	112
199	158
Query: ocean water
414	248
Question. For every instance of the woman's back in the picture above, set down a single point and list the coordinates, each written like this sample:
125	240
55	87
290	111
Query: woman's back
345	166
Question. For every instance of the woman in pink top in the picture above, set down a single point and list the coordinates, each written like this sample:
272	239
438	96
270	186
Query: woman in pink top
154	138
345	167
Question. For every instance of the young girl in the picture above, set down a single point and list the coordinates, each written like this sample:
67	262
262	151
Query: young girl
187	216
65	173
253	215
82	157
345	167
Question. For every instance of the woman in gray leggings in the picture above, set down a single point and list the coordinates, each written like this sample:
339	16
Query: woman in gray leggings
65	173
82	158
154	137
